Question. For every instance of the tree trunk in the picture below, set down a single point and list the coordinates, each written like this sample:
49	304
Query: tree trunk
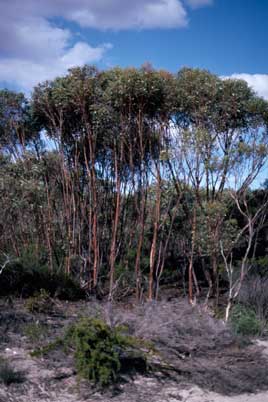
190	271
155	235
115	225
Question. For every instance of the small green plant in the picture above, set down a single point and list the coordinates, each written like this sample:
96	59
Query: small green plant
98	350
8	375
35	332
244	321
41	302
45	350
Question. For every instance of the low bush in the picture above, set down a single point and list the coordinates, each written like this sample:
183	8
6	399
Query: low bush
40	303
50	347
101	352
254	294
35	332
8	375
244	321
21	280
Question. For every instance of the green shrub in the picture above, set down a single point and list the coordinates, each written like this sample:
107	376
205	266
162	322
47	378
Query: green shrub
244	321
45	350
99	350
40	303
8	375
260	266
21	279
35	332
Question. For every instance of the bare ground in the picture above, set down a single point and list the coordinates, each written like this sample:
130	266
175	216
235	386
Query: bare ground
197	359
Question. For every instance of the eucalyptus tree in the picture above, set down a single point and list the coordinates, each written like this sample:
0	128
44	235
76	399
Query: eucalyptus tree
142	101
21	202
69	110
215	122
17	126
17	132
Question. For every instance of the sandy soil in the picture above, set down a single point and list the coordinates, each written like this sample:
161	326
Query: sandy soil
197	395
211	367
48	385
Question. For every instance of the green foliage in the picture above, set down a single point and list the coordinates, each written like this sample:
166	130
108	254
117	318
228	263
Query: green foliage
16	125
35	332
225	105
98	350
26	276
8	375
260	265
45	350
40	303
125	271
244	321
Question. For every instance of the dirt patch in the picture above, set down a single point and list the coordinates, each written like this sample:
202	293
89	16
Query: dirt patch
202	350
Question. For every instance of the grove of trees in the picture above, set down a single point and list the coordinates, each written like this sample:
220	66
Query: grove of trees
129	179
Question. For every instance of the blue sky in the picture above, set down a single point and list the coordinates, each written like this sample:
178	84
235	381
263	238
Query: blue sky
229	37
42	39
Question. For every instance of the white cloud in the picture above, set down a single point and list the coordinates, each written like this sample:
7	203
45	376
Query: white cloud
199	3
81	53
27	73
259	82
167	14
34	49
33	38
102	14
121	14
34	46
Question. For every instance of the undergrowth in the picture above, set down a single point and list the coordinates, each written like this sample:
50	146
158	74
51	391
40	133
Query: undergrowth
8	375
99	350
244	321
41	302
24	279
101	353
36	332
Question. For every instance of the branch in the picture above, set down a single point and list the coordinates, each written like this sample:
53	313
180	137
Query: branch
3	266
